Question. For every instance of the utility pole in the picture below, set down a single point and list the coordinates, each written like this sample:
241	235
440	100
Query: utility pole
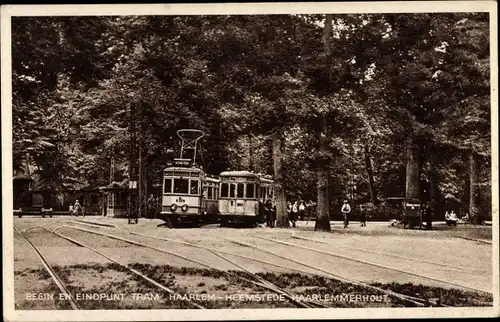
133	209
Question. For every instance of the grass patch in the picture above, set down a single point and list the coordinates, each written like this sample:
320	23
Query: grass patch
115	279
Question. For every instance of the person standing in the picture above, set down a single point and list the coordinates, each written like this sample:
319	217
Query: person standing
362	215
78	208
346	209
302	209
427	215
151	206
295	213
268	209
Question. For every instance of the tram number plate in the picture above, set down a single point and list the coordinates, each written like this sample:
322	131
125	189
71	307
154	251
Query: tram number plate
239	204
180	199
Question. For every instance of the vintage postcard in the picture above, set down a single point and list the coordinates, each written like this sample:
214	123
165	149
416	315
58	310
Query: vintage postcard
255	161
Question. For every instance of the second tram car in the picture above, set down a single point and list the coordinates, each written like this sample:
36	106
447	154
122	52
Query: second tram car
189	194
241	192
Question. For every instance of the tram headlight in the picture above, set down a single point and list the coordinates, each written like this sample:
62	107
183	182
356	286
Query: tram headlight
184	207
173	207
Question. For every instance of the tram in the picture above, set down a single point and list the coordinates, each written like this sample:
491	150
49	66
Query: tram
242	194
189	194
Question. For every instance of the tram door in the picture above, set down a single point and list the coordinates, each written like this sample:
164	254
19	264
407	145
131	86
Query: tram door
236	203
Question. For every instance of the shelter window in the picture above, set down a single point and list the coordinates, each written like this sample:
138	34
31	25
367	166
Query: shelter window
210	193
181	186
225	190
250	190
194	187
232	190
167	186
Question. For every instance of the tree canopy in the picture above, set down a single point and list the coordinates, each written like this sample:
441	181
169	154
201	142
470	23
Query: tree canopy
377	81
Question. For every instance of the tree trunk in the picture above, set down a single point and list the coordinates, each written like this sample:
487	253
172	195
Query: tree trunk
371	181
323	210
473	198
412	171
279	190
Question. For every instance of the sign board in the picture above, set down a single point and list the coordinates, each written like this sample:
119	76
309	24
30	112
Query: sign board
182	162
132	184
412	209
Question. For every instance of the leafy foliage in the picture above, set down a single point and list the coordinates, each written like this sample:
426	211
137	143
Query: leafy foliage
242	79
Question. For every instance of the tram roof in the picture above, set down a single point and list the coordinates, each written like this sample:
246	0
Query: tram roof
246	174
178	168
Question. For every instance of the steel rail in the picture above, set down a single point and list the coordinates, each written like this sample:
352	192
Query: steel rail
370	263
420	260
416	301
260	281
476	240
59	283
134	271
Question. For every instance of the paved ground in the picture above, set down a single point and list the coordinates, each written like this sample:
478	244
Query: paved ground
377	253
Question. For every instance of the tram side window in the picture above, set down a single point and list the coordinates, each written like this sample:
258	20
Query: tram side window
167	186
232	190
240	190
210	192
250	190
216	195
224	190
194	187
181	186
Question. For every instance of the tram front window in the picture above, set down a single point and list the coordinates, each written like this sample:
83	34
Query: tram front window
250	190
167	186
181	186
225	190
232	190
210	189
194	187
240	190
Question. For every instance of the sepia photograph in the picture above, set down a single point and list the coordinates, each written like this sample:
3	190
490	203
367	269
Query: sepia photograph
238	161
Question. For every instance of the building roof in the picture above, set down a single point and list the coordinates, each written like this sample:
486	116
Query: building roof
116	185
23	177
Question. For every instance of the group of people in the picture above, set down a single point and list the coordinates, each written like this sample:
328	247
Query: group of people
299	209
296	211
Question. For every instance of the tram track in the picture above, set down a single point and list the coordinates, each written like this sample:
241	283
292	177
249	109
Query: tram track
416	260
55	278
133	271
372	264
259	281
417	301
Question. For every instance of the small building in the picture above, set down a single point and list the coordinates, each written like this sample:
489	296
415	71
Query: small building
116	199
